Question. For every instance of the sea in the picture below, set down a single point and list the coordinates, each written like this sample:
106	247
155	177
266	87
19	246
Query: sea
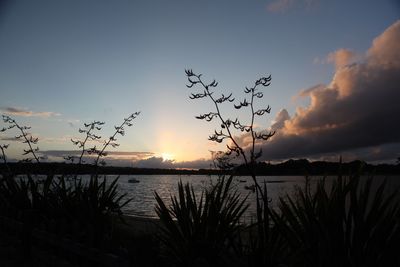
142	192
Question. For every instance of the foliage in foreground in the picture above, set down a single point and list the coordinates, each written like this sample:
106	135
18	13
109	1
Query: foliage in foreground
65	205
349	222
204	230
354	223
350	225
71	208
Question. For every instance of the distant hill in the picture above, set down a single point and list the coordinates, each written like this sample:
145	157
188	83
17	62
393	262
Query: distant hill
305	167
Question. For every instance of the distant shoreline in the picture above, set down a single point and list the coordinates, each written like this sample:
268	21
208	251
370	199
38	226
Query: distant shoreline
291	167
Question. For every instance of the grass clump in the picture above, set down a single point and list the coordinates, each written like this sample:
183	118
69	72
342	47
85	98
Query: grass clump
71	207
343	221
203	230
83	211
354	223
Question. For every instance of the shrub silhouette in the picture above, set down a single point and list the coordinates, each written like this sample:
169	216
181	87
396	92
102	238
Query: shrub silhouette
89	129
352	224
25	138
201	231
83	210
228	126
226	133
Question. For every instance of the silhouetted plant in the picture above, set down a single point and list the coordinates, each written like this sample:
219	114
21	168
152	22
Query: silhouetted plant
25	137
60	204
92	205
348	225
229	126
88	130
201	231
81	210
221	160
3	156
226	133
119	130
14	196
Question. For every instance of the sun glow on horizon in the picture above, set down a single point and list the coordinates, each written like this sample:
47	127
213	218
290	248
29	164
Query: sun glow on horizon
167	156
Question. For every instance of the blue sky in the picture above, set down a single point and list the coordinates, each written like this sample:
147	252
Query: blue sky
81	61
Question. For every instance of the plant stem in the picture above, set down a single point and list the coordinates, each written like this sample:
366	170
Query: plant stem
112	138
231	137
4	158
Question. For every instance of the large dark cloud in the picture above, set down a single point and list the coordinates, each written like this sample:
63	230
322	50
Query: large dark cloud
387	153
359	109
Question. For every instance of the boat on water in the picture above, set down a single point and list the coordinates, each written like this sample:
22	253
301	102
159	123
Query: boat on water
133	181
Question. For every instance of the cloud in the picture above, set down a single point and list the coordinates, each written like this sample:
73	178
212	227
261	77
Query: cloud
62	140
160	163
7	138
116	154
280	119
385	48
281	6
27	113
308	91
341	57
154	162
113	158
358	109
195	164
130	159
387	153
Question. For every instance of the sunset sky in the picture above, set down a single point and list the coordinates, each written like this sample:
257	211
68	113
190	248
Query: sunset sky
335	68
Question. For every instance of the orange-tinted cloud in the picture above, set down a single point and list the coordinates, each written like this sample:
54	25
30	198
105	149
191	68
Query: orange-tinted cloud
341	57
385	48
280	119
358	109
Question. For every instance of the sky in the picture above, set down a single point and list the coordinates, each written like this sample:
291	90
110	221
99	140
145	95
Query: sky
334	65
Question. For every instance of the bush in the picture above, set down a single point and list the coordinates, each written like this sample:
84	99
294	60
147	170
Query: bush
59	205
201	231
348	225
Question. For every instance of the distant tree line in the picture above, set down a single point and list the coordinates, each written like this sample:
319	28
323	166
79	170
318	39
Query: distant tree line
305	167
289	167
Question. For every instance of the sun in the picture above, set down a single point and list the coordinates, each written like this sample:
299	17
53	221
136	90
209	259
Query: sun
167	156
